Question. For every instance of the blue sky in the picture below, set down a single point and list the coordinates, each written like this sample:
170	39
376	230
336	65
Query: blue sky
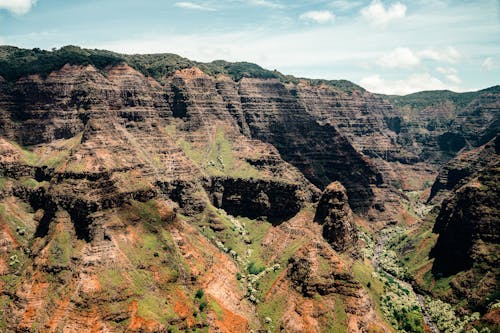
394	47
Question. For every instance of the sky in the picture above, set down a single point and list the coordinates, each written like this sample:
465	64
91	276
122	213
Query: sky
386	46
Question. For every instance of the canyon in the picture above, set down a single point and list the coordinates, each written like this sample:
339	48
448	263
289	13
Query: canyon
151	193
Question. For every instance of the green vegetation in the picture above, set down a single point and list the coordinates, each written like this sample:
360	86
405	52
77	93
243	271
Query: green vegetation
368	250
30	182
75	166
217	156
444	316
28	156
344	85
199	293
155	248
400	305
128	181
395	299
216	308
147	212
340	317
3	183
55	157
423	99
16	217
241	238
274	309
203	306
413	251
238	70
153	307
19	218
255	269
111	279
61	249
388	259
16	62
364	273
406	254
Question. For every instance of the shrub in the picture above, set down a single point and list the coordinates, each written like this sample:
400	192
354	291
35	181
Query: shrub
255	269
203	306
199	294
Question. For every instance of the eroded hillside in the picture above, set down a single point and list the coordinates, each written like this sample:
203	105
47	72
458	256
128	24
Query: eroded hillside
152	194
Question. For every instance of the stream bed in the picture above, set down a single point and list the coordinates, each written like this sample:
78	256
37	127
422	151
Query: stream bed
377	253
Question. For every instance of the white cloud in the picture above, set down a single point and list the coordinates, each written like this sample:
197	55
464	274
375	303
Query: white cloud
451	74
192	5
18	7
351	52
344	5
450	54
378	15
284	51
411	84
318	16
401	57
266	3
488	64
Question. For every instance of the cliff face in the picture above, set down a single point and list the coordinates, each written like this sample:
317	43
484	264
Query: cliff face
364	119
468	224
462	167
267	111
186	201
437	125
467	218
112	219
335	215
276	201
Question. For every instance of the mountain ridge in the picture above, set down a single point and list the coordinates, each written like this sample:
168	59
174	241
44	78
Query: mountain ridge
211	203
101	58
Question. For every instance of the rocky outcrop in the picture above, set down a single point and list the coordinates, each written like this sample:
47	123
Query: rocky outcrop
334	213
468	226
276	201
358	115
317	282
461	168
479	121
467	222
436	125
266	110
316	270
323	155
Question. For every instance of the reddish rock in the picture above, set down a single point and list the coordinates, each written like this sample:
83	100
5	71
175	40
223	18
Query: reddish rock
334	213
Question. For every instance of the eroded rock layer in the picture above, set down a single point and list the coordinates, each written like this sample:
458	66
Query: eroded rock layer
103	220
468	225
335	215
185	202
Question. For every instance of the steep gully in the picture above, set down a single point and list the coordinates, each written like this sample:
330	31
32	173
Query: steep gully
379	249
